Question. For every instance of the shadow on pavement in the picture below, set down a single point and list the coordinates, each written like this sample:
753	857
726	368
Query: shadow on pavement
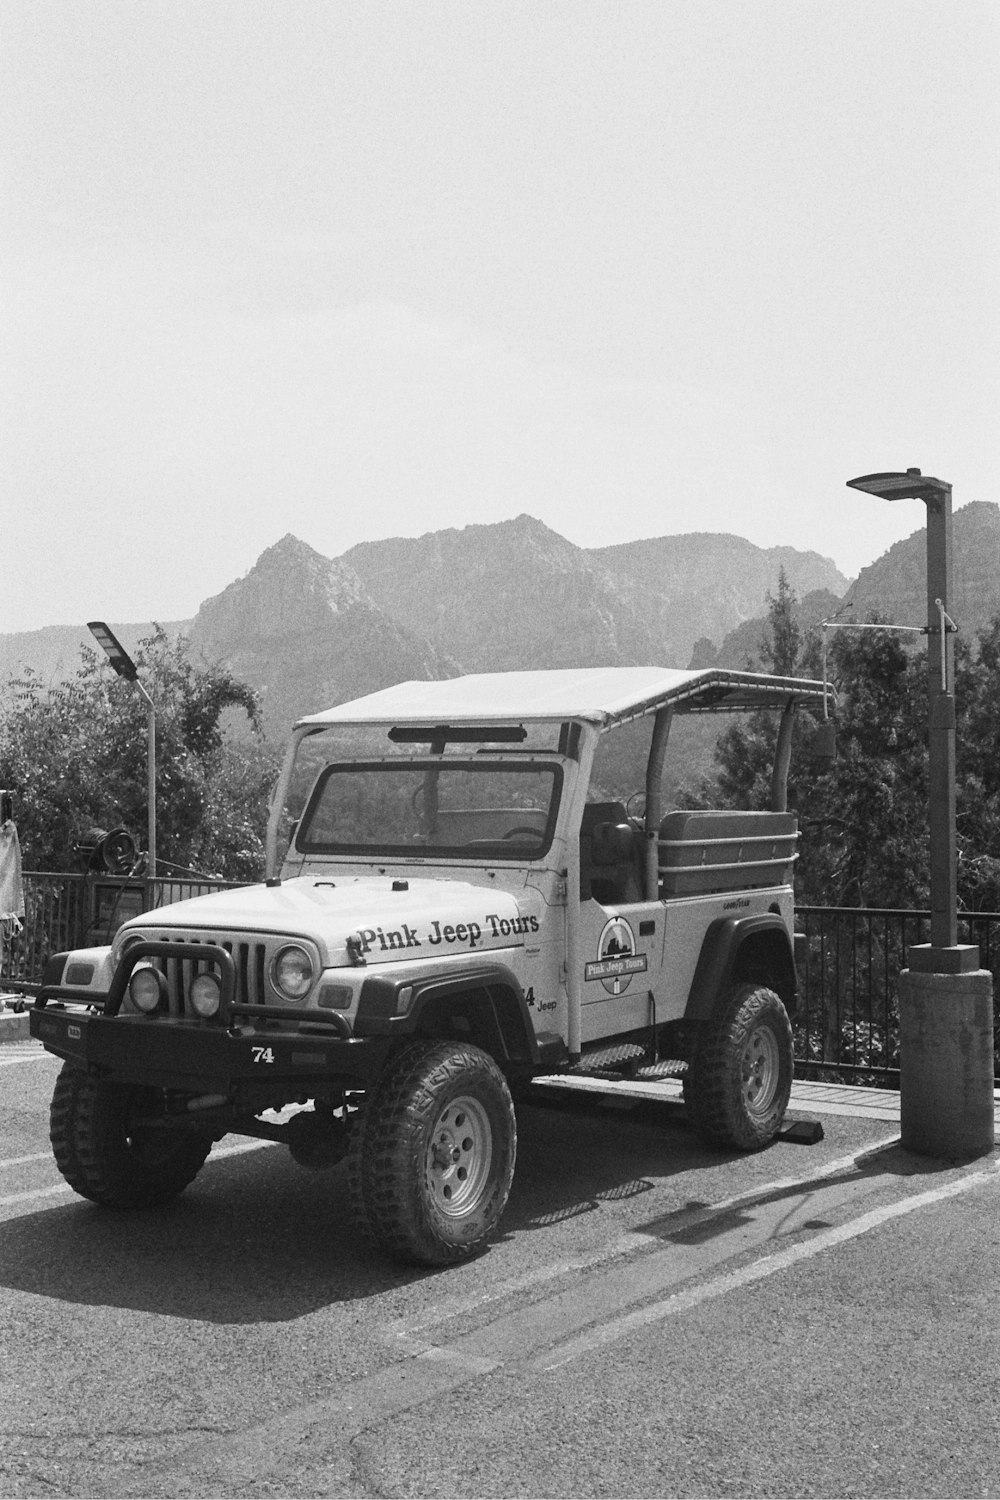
257	1239
707	1223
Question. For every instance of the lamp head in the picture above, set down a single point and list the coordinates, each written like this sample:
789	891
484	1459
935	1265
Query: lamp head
113	649
912	485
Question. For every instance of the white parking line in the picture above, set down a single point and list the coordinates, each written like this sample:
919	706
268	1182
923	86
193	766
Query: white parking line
34	1194
24	1057
23	1161
237	1150
681	1301
429	1372
452	1307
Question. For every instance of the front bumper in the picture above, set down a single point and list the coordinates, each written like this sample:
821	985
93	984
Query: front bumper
200	1058
249	1051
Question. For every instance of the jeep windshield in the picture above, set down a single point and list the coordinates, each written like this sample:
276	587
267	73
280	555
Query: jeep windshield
432	808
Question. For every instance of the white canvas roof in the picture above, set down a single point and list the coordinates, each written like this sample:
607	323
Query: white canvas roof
602	695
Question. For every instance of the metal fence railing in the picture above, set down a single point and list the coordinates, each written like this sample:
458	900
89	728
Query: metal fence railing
73	910
847	1026
848	1020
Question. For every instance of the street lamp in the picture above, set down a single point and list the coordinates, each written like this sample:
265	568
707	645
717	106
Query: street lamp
936	494
126	667
945	999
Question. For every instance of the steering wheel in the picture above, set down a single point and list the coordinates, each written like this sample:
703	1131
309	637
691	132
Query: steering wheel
636	814
515	833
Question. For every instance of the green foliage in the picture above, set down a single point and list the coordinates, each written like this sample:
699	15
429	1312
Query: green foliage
977	689
745	749
782	639
74	755
864	820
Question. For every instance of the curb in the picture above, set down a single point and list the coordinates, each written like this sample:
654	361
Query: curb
815	1099
13	1026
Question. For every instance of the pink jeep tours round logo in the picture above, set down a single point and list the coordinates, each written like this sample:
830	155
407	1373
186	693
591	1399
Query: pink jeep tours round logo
617	959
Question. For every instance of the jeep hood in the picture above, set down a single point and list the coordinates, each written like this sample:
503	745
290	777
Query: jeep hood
391	919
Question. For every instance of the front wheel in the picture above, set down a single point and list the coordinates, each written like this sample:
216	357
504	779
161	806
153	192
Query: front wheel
740	1078
432	1154
106	1152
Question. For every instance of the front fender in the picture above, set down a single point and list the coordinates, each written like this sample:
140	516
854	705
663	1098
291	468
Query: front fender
84	974
499	1018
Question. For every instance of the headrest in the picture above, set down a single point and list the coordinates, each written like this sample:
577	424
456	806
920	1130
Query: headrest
602	812
612	844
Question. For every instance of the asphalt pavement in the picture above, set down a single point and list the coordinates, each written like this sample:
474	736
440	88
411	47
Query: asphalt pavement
656	1319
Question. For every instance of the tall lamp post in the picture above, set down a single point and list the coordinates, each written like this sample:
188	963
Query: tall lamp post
945	999
126	667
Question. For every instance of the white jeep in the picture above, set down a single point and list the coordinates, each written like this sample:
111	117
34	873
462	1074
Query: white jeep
446	917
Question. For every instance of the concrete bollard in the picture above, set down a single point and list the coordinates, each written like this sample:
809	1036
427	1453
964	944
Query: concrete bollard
946	1062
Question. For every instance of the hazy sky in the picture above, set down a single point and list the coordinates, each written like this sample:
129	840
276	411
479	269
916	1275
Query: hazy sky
355	269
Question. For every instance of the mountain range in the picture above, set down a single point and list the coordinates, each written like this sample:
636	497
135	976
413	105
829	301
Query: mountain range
308	631
894	588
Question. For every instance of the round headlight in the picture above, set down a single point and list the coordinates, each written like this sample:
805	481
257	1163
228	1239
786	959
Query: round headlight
205	994
293	973
146	989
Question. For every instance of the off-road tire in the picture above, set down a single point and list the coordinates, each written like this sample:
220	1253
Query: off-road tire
104	1157
737	1086
432	1154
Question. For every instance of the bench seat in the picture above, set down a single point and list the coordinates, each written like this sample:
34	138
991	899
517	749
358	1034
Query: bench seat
703	852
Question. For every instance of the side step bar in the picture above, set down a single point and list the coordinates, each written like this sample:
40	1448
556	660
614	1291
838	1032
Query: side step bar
625	1059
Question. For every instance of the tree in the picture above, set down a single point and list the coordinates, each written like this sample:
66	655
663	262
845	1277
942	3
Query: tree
864	820
745	750
74	755
977	689
782	643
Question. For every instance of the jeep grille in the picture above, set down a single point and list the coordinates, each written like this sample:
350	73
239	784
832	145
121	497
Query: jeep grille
252	959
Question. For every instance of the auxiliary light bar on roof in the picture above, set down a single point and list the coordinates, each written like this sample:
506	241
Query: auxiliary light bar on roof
463	734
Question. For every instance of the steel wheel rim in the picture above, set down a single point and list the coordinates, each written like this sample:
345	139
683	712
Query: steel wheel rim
760	1070
459	1155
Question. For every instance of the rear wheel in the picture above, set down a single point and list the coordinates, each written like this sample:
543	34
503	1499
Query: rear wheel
740	1078
106	1155
432	1155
